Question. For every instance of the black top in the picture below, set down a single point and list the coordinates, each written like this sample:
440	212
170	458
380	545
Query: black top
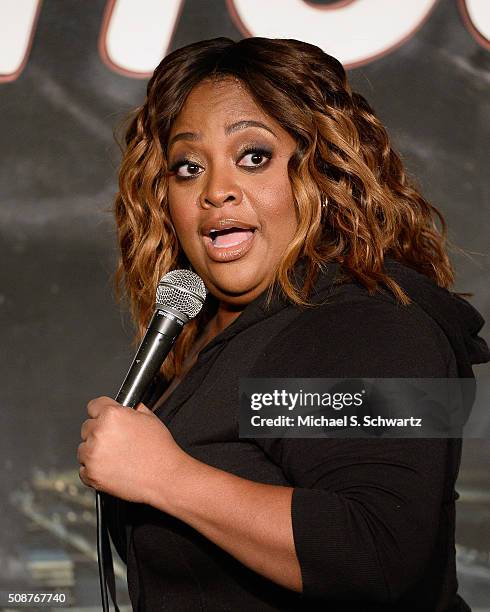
373	519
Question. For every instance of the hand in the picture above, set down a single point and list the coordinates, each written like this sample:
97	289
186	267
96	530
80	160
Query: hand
128	453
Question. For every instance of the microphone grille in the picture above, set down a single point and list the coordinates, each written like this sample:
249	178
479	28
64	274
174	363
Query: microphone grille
182	290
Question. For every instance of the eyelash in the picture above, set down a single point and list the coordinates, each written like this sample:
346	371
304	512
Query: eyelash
249	150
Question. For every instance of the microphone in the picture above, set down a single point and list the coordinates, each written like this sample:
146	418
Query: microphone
179	298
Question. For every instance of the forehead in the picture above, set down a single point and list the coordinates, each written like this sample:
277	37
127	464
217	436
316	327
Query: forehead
216	102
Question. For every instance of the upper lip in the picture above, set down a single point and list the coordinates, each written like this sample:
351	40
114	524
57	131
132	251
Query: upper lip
225	223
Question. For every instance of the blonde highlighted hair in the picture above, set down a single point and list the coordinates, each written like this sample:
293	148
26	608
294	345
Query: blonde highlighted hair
343	153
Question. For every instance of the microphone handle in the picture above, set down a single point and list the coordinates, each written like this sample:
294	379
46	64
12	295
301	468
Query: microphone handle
163	330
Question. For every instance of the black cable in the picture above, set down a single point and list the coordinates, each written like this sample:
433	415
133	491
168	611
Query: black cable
100	552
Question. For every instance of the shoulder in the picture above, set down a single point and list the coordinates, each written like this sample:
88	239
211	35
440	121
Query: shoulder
357	334
352	312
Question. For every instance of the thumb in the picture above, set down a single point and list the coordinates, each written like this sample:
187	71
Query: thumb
142	408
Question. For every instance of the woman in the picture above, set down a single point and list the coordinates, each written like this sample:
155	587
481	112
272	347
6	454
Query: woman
256	165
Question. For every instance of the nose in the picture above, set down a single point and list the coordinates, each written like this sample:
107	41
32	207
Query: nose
220	188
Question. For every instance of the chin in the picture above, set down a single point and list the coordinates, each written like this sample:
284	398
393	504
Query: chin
238	283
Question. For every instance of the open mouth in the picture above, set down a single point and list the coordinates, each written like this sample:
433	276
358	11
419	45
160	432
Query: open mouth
230	237
229	244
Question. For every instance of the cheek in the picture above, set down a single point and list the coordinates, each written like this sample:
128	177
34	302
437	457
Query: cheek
182	216
277	204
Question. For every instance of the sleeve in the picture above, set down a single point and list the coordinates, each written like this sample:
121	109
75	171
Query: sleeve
365	512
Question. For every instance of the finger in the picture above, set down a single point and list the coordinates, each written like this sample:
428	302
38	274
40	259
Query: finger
87	427
81	450
98	405
82	474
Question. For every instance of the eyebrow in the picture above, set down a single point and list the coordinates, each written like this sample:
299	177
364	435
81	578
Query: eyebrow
229	129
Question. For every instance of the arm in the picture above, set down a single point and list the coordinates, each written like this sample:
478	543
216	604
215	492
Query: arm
361	527
250	520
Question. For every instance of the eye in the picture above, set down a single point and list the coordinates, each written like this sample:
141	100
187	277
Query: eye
185	168
255	157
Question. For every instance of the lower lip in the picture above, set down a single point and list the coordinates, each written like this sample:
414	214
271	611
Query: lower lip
230	253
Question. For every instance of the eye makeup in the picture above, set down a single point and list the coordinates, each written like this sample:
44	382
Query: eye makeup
248	149
254	150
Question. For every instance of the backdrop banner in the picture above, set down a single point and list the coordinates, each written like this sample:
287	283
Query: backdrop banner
70	72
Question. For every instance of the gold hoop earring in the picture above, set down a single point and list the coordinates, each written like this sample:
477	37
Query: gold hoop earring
324	205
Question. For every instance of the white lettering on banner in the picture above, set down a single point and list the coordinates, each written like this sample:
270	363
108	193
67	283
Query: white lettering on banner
476	15
18	19
135	36
354	32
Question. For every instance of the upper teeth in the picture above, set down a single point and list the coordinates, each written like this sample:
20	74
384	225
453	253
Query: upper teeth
223	229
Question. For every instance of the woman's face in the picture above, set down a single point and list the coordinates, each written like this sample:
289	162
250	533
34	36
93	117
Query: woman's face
228	161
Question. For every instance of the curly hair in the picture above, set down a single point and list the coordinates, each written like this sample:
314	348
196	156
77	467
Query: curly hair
343	152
